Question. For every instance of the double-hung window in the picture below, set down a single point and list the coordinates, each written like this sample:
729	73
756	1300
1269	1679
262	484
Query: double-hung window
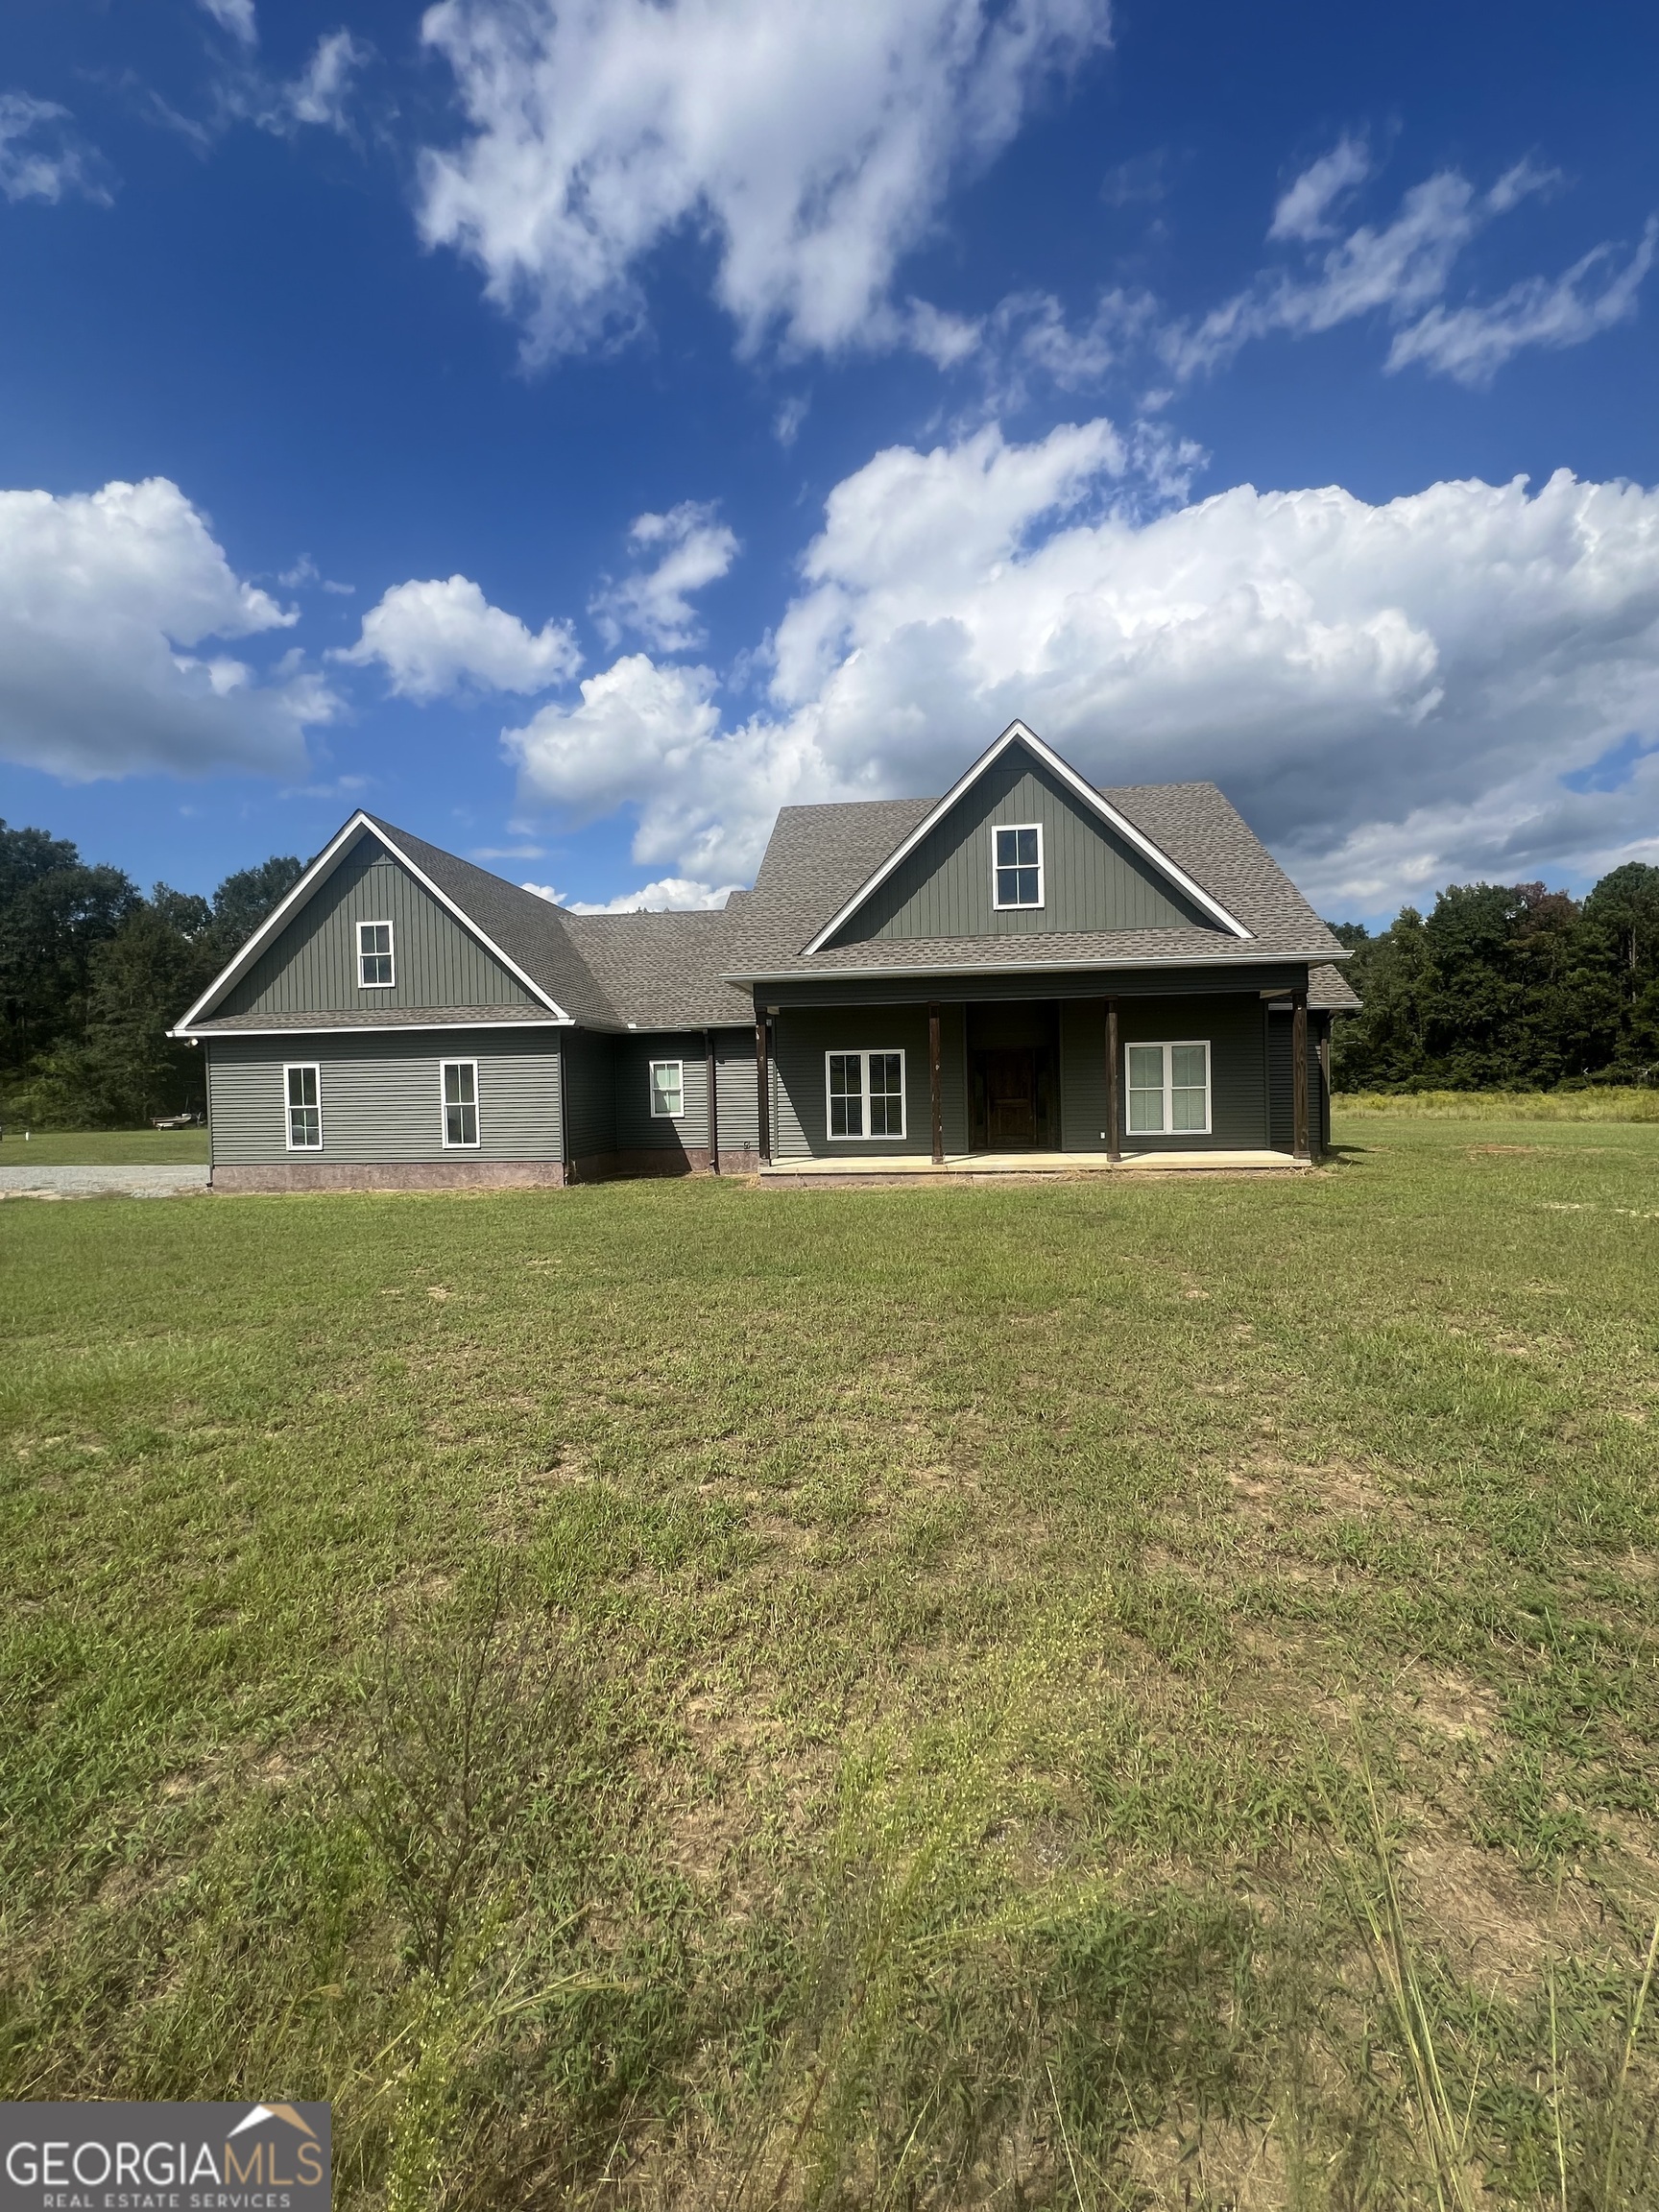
373	954
866	1094
1016	865
1168	1090
303	1089
667	1089
460	1103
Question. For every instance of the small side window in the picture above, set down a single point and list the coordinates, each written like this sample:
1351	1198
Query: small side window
460	1102
304	1088
1016	865
667	1089
373	954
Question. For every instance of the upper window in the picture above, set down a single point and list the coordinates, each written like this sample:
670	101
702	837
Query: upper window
460	1102
1016	870
1168	1090
866	1094
374	953
667	1089
304	1109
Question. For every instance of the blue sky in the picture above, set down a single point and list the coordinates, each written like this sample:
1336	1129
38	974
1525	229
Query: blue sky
574	431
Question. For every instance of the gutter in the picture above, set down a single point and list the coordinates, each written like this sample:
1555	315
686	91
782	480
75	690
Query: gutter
1255	957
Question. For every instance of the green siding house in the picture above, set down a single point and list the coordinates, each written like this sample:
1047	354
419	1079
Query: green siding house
1028	973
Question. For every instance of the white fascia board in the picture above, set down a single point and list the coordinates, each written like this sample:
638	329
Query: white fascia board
321	1027
315	876
1017	734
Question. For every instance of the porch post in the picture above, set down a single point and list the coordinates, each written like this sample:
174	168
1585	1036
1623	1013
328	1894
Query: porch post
762	1094
713	1103
1114	1101
1299	1072
934	1087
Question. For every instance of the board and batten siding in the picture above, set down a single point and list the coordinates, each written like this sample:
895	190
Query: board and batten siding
311	966
801	1108
1092	878
381	1099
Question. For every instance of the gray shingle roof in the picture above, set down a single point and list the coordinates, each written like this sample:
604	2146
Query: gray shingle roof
662	971
377	1017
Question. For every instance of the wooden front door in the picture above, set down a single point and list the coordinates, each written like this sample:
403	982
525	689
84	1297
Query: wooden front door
1010	1101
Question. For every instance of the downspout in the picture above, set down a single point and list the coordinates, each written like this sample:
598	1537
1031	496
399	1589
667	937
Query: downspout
566	1167
714	1079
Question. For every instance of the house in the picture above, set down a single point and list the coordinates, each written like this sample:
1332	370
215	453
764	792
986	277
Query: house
1028	973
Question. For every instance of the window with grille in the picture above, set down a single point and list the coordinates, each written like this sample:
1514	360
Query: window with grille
865	1094
667	1089
1016	870
1168	1090
373	954
304	1109
460	1102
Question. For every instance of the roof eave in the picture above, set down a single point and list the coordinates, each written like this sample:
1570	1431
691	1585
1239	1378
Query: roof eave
1254	955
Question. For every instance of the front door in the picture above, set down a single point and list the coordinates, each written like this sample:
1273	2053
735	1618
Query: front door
1010	1101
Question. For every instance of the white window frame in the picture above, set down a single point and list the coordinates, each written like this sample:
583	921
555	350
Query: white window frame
867	1135
459	1144
658	1113
390	955
1018	906
1168	1046
289	1109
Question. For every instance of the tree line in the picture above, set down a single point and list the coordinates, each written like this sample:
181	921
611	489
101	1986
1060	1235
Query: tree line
1507	987
93	975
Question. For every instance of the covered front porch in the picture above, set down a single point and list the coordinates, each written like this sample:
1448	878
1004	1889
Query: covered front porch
993	1166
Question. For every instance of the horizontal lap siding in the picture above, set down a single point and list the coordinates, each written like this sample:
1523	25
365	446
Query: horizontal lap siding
1083	1075
802	1115
1232	1028
380	1098
590	1094
739	1090
637	1128
311	967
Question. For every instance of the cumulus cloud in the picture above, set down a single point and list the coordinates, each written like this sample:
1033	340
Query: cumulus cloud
1392	692
693	550
437	637
812	146
41	157
1401	272
673	895
112	606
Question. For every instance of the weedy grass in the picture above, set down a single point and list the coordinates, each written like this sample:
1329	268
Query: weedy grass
1607	1102
100	1147
1101	1694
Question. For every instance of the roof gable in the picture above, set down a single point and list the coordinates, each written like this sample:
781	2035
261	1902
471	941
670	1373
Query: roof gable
1124	870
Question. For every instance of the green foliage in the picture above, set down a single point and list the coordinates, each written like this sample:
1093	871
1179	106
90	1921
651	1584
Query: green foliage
1506	988
92	975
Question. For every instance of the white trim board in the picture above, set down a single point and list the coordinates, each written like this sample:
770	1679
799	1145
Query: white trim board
1017	734
361	824
326	1028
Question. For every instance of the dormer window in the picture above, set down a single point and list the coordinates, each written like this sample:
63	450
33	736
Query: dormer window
1016	868
373	954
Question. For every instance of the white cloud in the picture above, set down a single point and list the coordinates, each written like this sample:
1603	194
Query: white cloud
111	605
1304	212
1472	344
41	157
672	895
435	637
1391	692
695	550
235	16
811	145
318	95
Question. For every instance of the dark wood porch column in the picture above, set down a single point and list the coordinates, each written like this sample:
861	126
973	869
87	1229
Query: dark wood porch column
934	1087
762	1094
1114	1097
1299	1072
713	1103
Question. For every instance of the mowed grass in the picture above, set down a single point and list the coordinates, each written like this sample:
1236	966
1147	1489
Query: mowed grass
103	1148
1133	1693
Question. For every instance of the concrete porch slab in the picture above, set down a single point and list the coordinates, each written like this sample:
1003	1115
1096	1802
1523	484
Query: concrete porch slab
987	1167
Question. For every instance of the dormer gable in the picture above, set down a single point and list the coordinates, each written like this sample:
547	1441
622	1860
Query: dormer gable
1024	847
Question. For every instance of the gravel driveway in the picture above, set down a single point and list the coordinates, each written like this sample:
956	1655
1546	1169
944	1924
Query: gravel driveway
99	1181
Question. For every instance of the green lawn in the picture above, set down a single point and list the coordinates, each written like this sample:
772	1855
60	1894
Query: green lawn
680	1695
103	1148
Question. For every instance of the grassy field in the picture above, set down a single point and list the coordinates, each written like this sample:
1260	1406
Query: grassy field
103	1148
1610	1102
1092	1695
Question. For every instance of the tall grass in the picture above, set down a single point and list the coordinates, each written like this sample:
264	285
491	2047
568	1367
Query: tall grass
1612	1102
